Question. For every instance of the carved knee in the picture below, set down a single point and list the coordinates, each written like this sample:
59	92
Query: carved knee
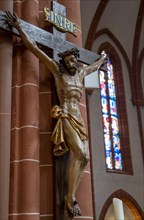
85	159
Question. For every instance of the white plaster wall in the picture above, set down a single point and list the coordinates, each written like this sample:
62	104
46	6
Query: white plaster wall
120	18
106	183
88	9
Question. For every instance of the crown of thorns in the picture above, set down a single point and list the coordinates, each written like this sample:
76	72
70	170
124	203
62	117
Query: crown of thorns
73	51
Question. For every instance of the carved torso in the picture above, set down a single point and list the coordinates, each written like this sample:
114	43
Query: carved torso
69	90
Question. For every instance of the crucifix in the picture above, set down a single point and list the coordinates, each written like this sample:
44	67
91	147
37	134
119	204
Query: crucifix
69	132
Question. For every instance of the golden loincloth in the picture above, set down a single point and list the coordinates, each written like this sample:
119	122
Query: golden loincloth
58	137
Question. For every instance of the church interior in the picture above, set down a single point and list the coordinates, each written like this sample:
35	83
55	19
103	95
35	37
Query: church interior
112	107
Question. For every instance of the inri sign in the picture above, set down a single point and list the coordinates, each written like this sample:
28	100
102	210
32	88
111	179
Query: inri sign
61	22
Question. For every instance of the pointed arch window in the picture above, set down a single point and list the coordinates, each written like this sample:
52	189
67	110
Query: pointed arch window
110	119
114	114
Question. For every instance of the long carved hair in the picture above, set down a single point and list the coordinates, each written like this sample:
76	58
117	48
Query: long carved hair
62	55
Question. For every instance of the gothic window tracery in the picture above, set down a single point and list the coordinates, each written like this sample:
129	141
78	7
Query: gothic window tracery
110	119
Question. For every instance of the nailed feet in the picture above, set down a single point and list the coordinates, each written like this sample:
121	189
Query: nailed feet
72	209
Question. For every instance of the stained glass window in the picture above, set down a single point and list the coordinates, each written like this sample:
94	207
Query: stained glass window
110	119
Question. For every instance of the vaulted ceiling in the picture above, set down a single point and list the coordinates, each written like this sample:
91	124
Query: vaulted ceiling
122	22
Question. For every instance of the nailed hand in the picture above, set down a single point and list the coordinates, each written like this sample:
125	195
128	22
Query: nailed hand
12	20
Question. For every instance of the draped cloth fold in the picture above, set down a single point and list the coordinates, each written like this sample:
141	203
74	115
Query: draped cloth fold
58	136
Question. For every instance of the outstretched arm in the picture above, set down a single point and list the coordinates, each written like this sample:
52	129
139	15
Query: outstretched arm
96	65
14	21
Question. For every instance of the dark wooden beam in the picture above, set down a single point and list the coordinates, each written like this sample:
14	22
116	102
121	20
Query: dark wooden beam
47	39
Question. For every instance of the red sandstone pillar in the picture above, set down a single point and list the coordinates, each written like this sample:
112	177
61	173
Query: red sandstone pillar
5	113
47	211
84	192
24	164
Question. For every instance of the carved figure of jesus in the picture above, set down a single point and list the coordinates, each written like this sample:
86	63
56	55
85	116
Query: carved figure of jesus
69	84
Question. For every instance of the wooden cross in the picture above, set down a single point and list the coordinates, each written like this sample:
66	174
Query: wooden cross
57	42
49	40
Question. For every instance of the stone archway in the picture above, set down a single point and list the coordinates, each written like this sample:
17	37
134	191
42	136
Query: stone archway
128	200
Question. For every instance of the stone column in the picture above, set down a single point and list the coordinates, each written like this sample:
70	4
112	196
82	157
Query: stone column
5	112
25	186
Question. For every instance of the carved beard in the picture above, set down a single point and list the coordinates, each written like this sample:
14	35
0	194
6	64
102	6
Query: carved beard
72	71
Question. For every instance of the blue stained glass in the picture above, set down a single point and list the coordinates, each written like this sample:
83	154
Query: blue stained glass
106	122
111	90
113	107
115	128
104	105
110	120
